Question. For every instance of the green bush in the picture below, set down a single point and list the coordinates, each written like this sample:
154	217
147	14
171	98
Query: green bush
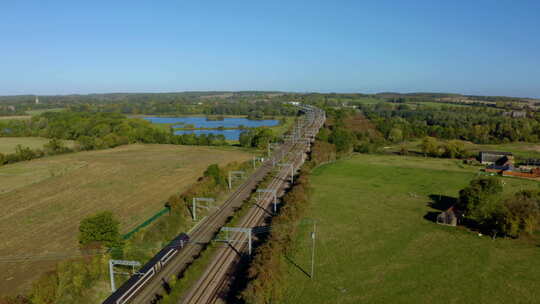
101	228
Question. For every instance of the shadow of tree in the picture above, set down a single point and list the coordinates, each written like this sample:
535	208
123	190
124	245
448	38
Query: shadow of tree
439	202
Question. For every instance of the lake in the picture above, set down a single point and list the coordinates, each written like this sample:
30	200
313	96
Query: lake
202	122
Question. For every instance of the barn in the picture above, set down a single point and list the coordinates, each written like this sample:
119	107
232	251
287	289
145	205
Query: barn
449	217
496	157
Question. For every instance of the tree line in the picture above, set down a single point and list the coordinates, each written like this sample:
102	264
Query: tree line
91	131
53	147
482	126
253	104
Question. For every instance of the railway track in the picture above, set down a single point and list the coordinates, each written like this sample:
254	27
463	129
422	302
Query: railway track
205	231
203	234
217	275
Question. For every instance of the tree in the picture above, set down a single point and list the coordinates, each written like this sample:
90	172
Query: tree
429	146
246	138
24	153
342	139
55	146
216	174
396	135
454	148
481	200
101	228
324	134
521	213
262	137
87	142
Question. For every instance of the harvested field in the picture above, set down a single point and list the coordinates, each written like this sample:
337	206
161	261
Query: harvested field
44	200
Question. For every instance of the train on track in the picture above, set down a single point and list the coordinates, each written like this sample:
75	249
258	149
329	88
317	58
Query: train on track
136	282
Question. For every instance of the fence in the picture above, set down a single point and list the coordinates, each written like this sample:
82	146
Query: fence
146	223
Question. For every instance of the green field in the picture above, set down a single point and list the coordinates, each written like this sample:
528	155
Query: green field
8	144
41	111
375	246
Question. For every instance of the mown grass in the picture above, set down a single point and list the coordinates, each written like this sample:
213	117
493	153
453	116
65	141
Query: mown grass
375	246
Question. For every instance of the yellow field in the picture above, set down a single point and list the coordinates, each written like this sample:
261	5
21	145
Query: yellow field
8	144
43	200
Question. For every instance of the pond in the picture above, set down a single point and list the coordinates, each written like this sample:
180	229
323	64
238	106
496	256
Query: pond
202	122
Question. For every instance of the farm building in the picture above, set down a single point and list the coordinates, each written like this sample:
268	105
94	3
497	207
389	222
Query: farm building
515	114
523	172
449	217
496	157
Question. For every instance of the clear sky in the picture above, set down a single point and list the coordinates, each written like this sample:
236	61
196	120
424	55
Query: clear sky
474	46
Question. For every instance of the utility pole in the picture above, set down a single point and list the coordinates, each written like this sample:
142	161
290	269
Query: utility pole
200	199
133	264
292	170
274	195
313	249
246	231
232	174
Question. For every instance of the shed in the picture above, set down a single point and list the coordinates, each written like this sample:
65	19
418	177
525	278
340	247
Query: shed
495	157
449	217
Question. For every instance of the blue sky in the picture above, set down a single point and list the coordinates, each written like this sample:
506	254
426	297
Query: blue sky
473	47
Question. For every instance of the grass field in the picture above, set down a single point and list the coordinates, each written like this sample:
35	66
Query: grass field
30	114
8	144
375	246
41	111
44	200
